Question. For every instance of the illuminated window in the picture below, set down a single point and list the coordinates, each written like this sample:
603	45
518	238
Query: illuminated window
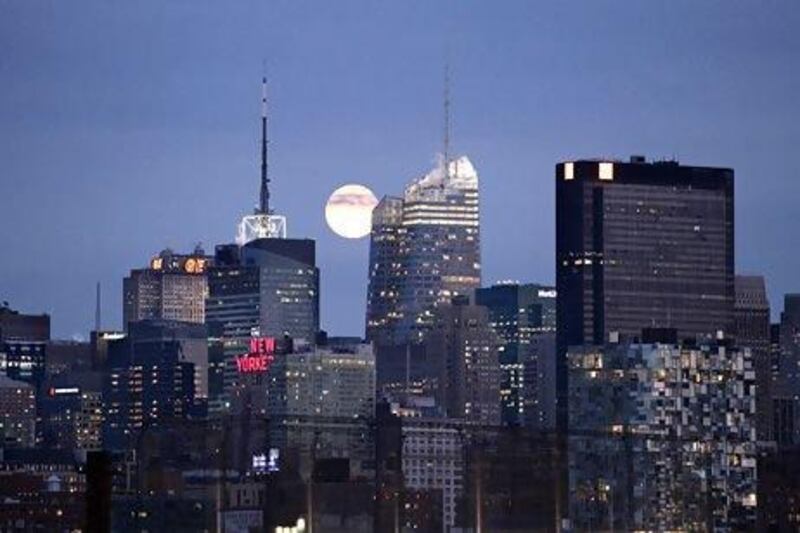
606	171
569	171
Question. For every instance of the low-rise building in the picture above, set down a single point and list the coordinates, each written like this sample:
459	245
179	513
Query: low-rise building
662	435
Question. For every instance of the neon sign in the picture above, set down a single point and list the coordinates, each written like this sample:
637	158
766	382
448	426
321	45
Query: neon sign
259	358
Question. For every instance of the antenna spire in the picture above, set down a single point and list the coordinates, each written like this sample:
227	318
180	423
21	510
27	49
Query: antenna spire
97	308
263	205
446	148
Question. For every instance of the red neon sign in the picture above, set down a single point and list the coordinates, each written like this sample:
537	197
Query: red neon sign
260	357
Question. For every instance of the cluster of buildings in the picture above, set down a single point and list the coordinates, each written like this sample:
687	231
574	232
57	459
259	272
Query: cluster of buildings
646	390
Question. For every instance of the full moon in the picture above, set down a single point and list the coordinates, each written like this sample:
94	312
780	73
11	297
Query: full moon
349	211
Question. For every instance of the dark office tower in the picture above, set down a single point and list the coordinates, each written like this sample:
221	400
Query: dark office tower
436	256
23	345
173	287
148	383
786	379
752	330
267	288
289	286
268	284
386	271
641	245
518	314
469	373
388	469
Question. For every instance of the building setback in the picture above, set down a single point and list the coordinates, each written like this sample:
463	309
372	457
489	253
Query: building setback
641	245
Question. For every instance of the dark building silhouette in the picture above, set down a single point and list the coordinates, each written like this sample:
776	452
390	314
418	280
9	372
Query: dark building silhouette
23	345
786	379
98	492
641	245
148	383
388	469
519	313
752	330
466	346
269	284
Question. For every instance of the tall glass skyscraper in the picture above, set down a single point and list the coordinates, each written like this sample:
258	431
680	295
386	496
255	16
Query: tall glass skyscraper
424	250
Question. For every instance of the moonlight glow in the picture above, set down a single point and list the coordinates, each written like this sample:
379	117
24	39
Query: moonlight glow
349	211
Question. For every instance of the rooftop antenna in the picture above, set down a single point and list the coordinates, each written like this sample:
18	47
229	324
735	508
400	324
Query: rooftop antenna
263	205
97	308
446	148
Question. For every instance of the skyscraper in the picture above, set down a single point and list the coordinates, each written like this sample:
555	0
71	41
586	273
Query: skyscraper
265	285
519	313
786	381
173	287
424	250
641	245
271	285
469	375
386	270
148	383
752	330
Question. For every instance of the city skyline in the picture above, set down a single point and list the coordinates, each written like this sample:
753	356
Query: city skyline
186	127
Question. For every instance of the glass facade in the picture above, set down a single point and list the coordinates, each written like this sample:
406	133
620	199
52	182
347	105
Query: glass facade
424	250
268	287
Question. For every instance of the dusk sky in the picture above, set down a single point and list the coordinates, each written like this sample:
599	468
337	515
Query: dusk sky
127	127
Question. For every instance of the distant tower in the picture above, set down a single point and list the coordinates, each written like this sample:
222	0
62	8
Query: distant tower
263	223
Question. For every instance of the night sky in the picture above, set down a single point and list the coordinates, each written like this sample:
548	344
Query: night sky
127	127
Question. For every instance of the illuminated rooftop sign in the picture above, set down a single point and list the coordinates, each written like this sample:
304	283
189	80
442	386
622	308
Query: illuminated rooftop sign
179	263
259	358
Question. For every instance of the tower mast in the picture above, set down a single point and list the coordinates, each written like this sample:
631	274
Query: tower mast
264	223
97	308
263	205
446	148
